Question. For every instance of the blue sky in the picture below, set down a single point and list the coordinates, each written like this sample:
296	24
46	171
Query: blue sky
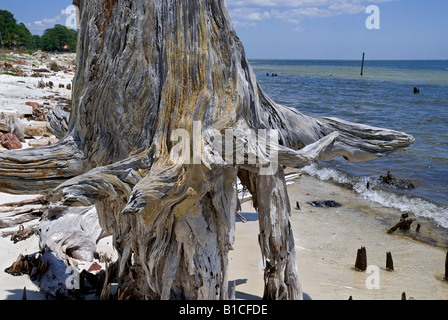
306	29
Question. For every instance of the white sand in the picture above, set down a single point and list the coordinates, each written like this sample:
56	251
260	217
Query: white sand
11	288
326	239
326	244
16	91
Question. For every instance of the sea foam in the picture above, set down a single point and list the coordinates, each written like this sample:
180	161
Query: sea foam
370	189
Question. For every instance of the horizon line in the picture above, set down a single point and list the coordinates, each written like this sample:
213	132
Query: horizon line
332	59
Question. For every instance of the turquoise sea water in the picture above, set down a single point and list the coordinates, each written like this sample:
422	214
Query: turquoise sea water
383	97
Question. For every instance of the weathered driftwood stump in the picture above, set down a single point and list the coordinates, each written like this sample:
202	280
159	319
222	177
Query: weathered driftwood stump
446	267
361	260
404	224
158	84
389	262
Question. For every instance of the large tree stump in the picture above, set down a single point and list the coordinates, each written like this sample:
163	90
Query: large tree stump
157	81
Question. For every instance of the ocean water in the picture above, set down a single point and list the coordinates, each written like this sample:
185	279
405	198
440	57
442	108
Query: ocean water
383	97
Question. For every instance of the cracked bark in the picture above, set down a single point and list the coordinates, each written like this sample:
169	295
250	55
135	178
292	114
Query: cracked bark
144	69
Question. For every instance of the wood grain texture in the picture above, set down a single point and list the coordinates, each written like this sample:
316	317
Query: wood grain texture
144	70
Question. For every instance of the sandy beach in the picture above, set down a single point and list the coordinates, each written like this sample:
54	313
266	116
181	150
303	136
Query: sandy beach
11	288
327	239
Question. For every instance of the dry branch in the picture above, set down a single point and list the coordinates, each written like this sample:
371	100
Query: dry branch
146	69
40	200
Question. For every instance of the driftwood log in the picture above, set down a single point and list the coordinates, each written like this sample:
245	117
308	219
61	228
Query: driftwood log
404	224
361	260
446	267
11	216
157	82
389	262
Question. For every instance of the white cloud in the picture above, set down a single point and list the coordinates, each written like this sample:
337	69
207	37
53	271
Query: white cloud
39	26
248	17
250	12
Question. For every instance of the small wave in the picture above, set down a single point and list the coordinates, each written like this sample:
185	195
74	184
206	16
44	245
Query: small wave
388	198
325	173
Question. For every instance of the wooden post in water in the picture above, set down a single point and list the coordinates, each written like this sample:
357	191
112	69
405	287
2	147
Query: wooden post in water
157	204
389	262
361	260
446	267
362	66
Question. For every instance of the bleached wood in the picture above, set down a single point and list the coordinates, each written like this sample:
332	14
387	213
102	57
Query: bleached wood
145	69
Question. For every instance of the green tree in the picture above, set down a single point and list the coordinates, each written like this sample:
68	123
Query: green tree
7	26
36	42
14	35
59	38
24	36
17	36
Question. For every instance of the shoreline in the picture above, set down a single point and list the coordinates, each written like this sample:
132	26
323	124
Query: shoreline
327	240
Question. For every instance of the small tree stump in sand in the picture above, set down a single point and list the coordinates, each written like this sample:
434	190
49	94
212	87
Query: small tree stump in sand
22	234
389	262
30	264
361	260
404	224
157	82
446	267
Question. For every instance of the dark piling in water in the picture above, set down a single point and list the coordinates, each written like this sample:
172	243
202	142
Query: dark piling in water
446	267
404	224
362	66
389	262
361	260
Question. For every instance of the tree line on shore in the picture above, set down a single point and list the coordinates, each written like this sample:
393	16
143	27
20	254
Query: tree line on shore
16	36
